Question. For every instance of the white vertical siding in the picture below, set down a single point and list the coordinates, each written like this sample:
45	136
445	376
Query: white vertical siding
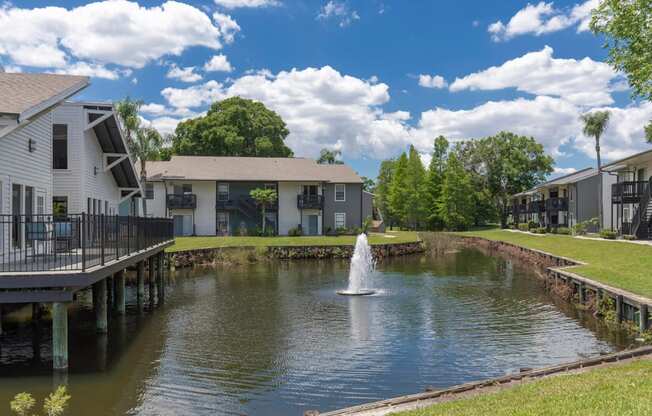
69	182
288	213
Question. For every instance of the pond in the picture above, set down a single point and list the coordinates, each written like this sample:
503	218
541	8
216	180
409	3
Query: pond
275	339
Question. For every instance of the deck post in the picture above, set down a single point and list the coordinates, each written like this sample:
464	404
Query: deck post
582	293
152	279
643	323
60	335
0	319
120	298
619	308
159	277
140	283
100	303
109	290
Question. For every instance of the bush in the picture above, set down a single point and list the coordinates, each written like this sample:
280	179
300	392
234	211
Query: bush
583	227
295	232
629	237
563	230
532	224
523	227
342	231
608	234
539	230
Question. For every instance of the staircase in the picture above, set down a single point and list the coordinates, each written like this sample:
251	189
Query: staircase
642	220
248	207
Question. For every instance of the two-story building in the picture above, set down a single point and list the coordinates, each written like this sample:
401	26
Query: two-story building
211	195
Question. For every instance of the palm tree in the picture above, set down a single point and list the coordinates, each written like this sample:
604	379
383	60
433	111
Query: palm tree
127	110
594	126
146	146
330	157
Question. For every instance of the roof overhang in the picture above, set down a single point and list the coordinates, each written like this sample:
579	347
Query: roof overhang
52	101
628	162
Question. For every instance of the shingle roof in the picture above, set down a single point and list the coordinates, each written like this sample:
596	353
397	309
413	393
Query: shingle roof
563	180
22	93
249	169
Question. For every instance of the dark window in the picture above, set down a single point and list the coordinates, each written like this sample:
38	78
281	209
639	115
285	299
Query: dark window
60	146
16	196
186	188
222	191
149	191
60	207
340	192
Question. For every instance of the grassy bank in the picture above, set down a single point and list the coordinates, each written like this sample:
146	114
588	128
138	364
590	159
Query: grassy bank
620	264
196	243
619	390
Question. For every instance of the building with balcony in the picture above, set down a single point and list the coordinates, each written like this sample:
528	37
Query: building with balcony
631	210
211	195
564	201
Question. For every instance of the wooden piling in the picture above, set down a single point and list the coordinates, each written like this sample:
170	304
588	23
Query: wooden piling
643	321
152	279
140	281
60	336
120	297
159	277
100	304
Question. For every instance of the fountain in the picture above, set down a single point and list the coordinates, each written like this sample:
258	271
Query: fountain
362	268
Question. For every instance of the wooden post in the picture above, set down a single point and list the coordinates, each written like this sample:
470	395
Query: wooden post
152	279
109	290
159	277
100	303
0	319
582	293
643	323
140	283
120	297
36	312
60	336
619	308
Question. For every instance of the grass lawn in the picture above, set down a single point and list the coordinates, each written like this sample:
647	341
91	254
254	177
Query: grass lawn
194	243
624	265
620	390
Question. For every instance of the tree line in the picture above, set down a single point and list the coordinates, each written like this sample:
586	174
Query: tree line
465	184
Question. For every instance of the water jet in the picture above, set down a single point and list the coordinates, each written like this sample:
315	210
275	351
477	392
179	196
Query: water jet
362	268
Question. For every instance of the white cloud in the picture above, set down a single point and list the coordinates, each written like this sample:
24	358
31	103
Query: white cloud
195	96
218	63
563	171
340	11
432	81
90	70
543	18
185	74
583	82
117	32
233	4
228	26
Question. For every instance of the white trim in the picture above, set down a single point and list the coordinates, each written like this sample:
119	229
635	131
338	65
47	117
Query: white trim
335	220
106	116
133	192
108	166
335	193
228	191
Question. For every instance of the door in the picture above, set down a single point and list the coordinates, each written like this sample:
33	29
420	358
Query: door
222	223
178	225
313	224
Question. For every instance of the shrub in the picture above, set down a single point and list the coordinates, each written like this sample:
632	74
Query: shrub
342	231
583	227
53	405
629	237
608	234
523	227
539	230
563	230
295	232
531	225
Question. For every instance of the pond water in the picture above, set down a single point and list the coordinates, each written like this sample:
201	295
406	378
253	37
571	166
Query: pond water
277	340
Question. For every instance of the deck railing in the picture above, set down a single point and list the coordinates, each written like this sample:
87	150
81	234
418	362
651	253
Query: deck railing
76	242
182	201
628	192
557	204
310	201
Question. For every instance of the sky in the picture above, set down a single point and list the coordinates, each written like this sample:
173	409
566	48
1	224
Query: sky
368	77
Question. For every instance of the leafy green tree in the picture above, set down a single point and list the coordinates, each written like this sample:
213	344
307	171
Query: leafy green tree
415	205
455	203
434	181
595	124
398	192
54	405
627	27
368	184
382	189
127	111
264	198
233	127
330	157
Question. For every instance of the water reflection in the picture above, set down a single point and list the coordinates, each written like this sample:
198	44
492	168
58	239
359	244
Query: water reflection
275	338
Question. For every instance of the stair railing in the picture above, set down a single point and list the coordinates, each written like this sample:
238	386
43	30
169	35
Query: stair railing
641	210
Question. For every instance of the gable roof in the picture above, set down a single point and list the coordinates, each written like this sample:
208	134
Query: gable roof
623	163
563	180
273	169
25	95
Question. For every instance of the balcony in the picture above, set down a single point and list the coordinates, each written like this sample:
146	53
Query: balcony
627	192
556	204
185	201
75	243
536	207
310	201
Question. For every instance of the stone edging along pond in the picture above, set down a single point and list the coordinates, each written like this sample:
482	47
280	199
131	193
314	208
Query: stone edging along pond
211	256
566	284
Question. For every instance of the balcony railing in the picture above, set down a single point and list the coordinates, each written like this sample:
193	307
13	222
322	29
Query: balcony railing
627	192
185	201
42	243
536	207
557	204
310	201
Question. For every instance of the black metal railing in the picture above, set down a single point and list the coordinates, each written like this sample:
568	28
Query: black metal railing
310	201
183	201
640	214
557	204
627	192
537	206
76	242
244	204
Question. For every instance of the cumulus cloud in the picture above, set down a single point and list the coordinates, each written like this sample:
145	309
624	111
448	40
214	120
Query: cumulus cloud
233	4
118	32
338	11
92	70
582	82
218	63
543	18
185	74
228	26
432	81
557	171
195	96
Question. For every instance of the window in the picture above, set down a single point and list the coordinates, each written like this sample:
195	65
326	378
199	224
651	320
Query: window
60	146
149	191
186	188
270	186
106	207
340	220
340	192
60	207
16	196
223	192
40	205
29	211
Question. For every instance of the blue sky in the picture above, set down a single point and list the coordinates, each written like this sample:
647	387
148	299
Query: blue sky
367	77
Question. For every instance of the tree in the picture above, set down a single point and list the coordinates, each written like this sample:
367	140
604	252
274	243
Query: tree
263	197
146	146
434	181
330	157
455	203
398	192
53	405
382	189
415	207
627	26
127	110
595	124
233	127
368	184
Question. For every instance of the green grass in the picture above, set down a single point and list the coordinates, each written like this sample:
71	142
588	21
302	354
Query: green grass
619	264
195	243
621	390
